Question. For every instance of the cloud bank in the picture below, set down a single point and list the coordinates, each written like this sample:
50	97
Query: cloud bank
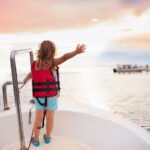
40	16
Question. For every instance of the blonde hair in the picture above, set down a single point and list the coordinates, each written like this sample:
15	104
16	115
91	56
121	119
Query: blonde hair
45	55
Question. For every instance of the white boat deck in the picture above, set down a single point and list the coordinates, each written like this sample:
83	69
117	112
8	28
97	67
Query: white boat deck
77	127
57	143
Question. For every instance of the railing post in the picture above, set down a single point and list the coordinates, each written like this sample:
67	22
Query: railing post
16	92
5	101
17	99
4	89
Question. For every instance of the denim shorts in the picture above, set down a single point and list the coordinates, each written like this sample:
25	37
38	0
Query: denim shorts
51	103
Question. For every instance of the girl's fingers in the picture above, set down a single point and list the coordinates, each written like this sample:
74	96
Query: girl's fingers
82	51
82	45
81	48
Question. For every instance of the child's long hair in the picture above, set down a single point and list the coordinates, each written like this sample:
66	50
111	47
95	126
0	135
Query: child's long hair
45	55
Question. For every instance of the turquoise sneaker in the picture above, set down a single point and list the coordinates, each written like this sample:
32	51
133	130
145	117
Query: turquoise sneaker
47	140
35	143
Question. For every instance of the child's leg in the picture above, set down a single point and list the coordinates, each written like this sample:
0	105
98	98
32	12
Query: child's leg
37	123
49	122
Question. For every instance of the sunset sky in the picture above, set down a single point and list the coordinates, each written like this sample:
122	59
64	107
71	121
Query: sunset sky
102	25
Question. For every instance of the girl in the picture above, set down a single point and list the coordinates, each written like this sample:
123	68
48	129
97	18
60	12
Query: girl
45	85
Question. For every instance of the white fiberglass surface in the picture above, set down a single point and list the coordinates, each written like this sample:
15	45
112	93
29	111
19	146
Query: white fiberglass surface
83	130
57	143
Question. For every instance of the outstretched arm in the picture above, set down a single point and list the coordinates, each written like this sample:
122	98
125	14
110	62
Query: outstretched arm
79	49
28	77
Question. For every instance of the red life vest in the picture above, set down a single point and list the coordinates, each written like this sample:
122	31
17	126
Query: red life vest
43	82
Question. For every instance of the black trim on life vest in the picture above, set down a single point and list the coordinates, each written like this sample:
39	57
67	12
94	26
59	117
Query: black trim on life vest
47	89
44	83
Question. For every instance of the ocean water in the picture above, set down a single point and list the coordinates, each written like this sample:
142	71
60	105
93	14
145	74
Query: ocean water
86	81
124	94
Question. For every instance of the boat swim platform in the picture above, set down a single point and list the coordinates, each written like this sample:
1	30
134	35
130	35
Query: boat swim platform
57	143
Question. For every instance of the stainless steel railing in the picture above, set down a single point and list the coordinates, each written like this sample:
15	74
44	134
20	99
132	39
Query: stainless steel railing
4	89
16	91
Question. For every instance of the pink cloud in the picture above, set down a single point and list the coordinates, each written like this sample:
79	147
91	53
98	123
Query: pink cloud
43	15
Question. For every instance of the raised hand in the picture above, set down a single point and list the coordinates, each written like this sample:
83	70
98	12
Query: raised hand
80	48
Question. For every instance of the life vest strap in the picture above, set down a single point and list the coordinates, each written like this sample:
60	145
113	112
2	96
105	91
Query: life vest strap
45	89
42	104
45	83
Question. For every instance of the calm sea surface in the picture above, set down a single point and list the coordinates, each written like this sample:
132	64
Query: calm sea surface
126	94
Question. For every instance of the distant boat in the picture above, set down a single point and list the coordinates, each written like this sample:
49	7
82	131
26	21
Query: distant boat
128	70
